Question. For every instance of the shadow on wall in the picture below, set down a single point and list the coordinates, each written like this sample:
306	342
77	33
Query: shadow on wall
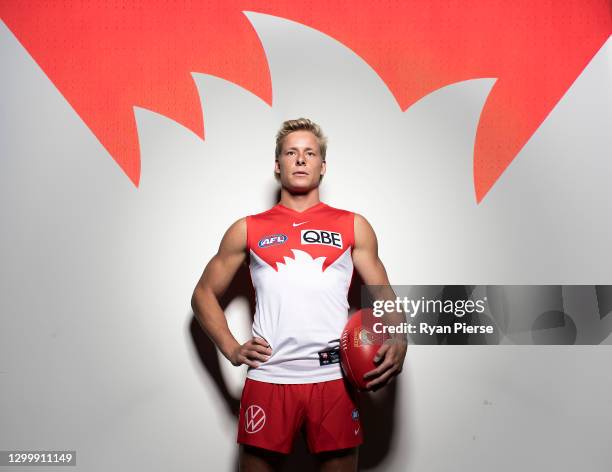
377	410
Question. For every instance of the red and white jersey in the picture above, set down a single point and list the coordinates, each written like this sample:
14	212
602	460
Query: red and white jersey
301	269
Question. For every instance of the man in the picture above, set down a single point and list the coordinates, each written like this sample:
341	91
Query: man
302	253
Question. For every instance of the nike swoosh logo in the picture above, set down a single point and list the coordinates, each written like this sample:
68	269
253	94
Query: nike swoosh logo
356	431
299	224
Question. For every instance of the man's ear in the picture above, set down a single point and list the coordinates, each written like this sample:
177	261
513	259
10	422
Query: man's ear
276	169
323	167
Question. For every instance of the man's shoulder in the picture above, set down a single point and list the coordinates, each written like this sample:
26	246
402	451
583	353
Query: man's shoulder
238	226
360	219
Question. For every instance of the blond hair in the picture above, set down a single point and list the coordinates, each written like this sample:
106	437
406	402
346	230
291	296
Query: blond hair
301	124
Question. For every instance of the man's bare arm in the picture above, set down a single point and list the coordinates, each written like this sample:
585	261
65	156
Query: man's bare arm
213	283
365	254
367	262
372	271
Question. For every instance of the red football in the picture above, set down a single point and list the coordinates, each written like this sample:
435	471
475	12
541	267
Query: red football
358	346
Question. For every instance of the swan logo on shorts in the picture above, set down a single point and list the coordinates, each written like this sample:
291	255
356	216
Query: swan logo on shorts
254	419
320	236
272	240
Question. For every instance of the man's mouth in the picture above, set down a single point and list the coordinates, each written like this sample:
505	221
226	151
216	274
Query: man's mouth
300	172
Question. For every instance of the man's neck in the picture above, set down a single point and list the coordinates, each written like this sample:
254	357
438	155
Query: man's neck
299	202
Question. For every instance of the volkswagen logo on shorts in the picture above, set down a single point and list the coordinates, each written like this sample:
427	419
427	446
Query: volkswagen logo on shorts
254	419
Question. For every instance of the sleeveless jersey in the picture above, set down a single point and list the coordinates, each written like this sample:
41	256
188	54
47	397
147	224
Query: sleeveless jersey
301	269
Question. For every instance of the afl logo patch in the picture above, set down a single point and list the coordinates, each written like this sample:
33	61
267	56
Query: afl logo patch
272	240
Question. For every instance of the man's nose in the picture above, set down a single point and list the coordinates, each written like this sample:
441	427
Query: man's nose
300	159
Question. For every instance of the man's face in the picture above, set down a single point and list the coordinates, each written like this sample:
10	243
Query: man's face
300	165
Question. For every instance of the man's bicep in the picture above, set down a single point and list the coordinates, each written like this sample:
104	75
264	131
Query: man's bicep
365	254
367	262
224	265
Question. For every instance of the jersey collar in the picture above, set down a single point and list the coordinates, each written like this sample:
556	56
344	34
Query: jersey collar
291	211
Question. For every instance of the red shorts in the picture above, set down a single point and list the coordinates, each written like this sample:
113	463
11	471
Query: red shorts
271	414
